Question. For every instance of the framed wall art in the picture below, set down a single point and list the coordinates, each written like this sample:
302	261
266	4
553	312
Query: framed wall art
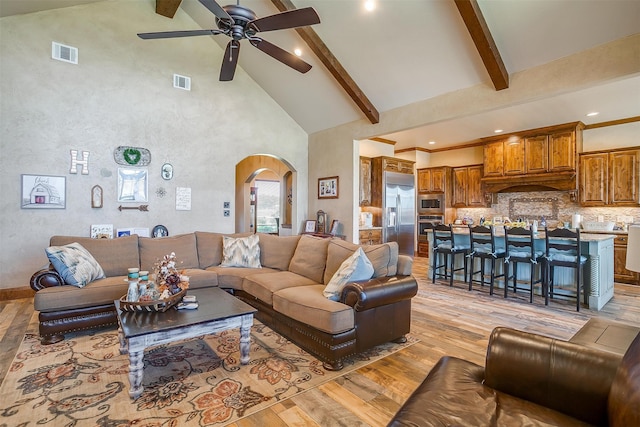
132	185
328	187
43	192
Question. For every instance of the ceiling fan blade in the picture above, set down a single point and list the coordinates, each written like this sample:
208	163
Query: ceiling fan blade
289	19
281	55
216	9
172	34
230	61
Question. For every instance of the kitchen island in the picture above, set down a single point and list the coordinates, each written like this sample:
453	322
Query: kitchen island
598	271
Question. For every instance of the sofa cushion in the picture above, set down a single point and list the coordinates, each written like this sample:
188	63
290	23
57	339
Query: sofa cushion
384	257
99	292
153	249
263	286
624	397
75	264
241	251
199	278
232	278
209	247
115	256
356	267
277	251
307	304
310	257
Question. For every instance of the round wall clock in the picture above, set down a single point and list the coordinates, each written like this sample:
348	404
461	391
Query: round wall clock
160	231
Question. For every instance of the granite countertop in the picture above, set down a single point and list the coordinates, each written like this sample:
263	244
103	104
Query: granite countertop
370	228
584	236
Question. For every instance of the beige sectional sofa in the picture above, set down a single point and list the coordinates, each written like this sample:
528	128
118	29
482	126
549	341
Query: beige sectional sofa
287	290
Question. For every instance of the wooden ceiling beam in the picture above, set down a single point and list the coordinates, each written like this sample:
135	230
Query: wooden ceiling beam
332	64
479	31
167	8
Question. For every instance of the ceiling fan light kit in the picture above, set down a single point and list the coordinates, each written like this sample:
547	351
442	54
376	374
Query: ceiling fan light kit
239	23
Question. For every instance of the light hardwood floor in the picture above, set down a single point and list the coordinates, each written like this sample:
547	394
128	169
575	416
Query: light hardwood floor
447	321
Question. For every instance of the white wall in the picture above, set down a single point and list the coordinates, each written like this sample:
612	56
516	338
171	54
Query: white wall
605	138
121	93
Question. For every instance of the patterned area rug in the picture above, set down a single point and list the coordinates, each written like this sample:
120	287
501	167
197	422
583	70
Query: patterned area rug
83	380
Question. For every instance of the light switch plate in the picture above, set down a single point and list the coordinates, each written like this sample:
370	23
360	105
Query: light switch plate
227	205
227	212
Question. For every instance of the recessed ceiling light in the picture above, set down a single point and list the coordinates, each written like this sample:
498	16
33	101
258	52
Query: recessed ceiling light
431	142
594	113
370	5
298	52
498	131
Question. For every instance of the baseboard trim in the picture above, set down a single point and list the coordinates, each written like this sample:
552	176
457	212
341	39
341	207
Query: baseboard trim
16	293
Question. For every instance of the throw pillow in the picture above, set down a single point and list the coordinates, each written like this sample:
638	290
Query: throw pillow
75	264
356	267
241	252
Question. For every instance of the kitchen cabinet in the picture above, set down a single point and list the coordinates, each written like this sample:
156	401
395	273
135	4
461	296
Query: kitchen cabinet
620	273
537	154
365	181
493	159
562	151
610	178
514	156
371	236
391	164
432	180
423	248
545	158
467	187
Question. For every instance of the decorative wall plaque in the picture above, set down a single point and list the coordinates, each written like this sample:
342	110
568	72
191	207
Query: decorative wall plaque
132	156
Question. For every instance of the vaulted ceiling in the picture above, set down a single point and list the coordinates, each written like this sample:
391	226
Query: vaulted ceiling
406	51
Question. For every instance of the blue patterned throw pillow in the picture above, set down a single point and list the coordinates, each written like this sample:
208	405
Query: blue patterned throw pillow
241	252
75	264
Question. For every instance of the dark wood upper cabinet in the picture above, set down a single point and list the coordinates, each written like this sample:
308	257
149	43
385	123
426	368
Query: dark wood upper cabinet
610	178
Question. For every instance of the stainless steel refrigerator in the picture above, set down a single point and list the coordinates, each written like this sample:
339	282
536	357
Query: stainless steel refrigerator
398	212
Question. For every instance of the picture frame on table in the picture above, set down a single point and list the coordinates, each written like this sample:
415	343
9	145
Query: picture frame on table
335	224
328	187
43	192
310	226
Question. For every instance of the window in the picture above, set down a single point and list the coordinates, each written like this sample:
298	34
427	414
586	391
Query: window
268	206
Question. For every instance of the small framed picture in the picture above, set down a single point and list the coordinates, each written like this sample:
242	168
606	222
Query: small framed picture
310	226
328	187
43	192
335	224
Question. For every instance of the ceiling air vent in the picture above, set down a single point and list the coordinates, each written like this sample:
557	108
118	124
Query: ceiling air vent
181	82
64	53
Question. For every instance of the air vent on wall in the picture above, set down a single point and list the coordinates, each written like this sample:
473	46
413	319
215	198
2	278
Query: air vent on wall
64	53
181	82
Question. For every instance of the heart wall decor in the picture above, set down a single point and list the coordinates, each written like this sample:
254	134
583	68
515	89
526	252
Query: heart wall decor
132	156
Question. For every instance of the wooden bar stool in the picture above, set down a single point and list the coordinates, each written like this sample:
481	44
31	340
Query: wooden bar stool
520	248
563	250
483	246
444	242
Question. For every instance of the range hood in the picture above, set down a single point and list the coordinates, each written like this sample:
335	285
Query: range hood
557	181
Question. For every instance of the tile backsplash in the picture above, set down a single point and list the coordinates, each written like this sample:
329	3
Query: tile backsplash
555	206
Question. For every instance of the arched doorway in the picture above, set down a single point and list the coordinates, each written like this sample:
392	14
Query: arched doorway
268	167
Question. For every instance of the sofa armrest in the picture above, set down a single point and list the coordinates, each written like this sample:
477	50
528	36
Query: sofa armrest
46	278
561	375
379	291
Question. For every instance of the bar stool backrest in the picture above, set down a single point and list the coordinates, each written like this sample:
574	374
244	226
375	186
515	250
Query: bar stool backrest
443	236
563	244
482	239
519	243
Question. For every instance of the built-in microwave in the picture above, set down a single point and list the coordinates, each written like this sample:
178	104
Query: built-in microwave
430	203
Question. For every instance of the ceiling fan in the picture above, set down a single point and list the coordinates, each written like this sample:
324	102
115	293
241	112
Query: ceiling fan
240	23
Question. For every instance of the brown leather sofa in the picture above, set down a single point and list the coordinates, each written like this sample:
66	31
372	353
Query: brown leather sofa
529	380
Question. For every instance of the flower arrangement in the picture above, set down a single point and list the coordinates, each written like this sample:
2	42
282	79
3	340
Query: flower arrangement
168	279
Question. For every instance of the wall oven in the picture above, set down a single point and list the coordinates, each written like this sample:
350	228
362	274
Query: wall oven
430	204
425	221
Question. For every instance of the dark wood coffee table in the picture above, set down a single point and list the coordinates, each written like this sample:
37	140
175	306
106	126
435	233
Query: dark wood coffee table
217	311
